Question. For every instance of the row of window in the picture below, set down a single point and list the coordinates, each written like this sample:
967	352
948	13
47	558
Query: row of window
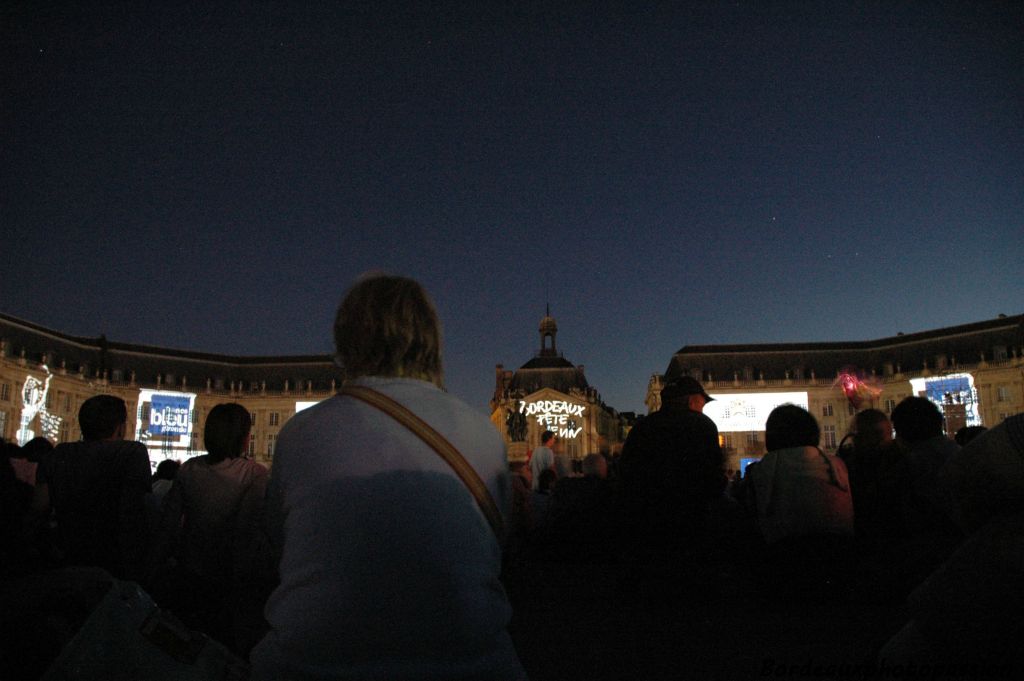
828	438
273	418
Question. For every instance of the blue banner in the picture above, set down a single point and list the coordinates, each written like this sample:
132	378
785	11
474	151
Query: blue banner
169	415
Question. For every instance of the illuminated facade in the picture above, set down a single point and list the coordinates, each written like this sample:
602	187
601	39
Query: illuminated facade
551	393
974	372
46	375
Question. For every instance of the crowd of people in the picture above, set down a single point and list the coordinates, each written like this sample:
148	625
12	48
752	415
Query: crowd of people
392	537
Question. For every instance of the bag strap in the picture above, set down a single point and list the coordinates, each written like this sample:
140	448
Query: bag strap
438	443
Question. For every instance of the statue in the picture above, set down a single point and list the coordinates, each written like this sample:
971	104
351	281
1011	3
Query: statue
515	426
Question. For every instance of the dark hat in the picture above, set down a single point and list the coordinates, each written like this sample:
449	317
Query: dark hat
683	386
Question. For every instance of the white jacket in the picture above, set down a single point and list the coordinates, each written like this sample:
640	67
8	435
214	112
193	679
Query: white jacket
801	491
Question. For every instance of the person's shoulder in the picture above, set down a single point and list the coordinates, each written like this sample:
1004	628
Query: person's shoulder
65	449
126	450
256	469
135	447
316	418
193	463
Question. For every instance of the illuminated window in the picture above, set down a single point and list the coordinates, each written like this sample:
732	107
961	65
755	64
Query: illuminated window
830	437
274	418
5	392
253	419
890	404
3	423
67	403
271	441
252	446
751	438
1002	394
826	409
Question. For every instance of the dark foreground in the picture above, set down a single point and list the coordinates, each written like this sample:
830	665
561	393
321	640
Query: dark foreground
589	622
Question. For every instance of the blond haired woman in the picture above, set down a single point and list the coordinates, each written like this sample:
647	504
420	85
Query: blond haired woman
389	567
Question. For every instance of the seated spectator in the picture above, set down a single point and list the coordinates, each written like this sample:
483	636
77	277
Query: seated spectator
520	519
208	522
163	477
964	612
97	489
932	534
15	500
390	560
581	524
26	460
38	450
801	499
540	499
878	479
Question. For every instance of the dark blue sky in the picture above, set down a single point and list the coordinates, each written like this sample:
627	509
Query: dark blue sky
214	177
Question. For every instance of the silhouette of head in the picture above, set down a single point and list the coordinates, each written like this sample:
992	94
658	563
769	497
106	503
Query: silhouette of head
227	431
872	428
595	465
917	419
791	426
387	326
102	418
685	390
166	469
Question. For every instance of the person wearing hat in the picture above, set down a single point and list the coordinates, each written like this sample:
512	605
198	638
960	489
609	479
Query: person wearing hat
671	470
688	389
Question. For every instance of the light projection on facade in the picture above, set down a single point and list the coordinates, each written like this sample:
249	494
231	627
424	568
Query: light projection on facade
950	392
33	404
299	406
739	412
164	424
858	389
557	416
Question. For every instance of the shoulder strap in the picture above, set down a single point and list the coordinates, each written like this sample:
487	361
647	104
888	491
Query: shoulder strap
438	443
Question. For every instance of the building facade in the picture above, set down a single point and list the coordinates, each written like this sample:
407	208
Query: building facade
46	375
974	372
551	393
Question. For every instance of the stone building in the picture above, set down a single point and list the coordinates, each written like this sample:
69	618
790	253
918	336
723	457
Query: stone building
974	372
45	376
551	393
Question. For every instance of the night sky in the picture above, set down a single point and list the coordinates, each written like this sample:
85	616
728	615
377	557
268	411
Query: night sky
213	176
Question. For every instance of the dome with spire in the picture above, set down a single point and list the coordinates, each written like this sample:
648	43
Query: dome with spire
548	332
